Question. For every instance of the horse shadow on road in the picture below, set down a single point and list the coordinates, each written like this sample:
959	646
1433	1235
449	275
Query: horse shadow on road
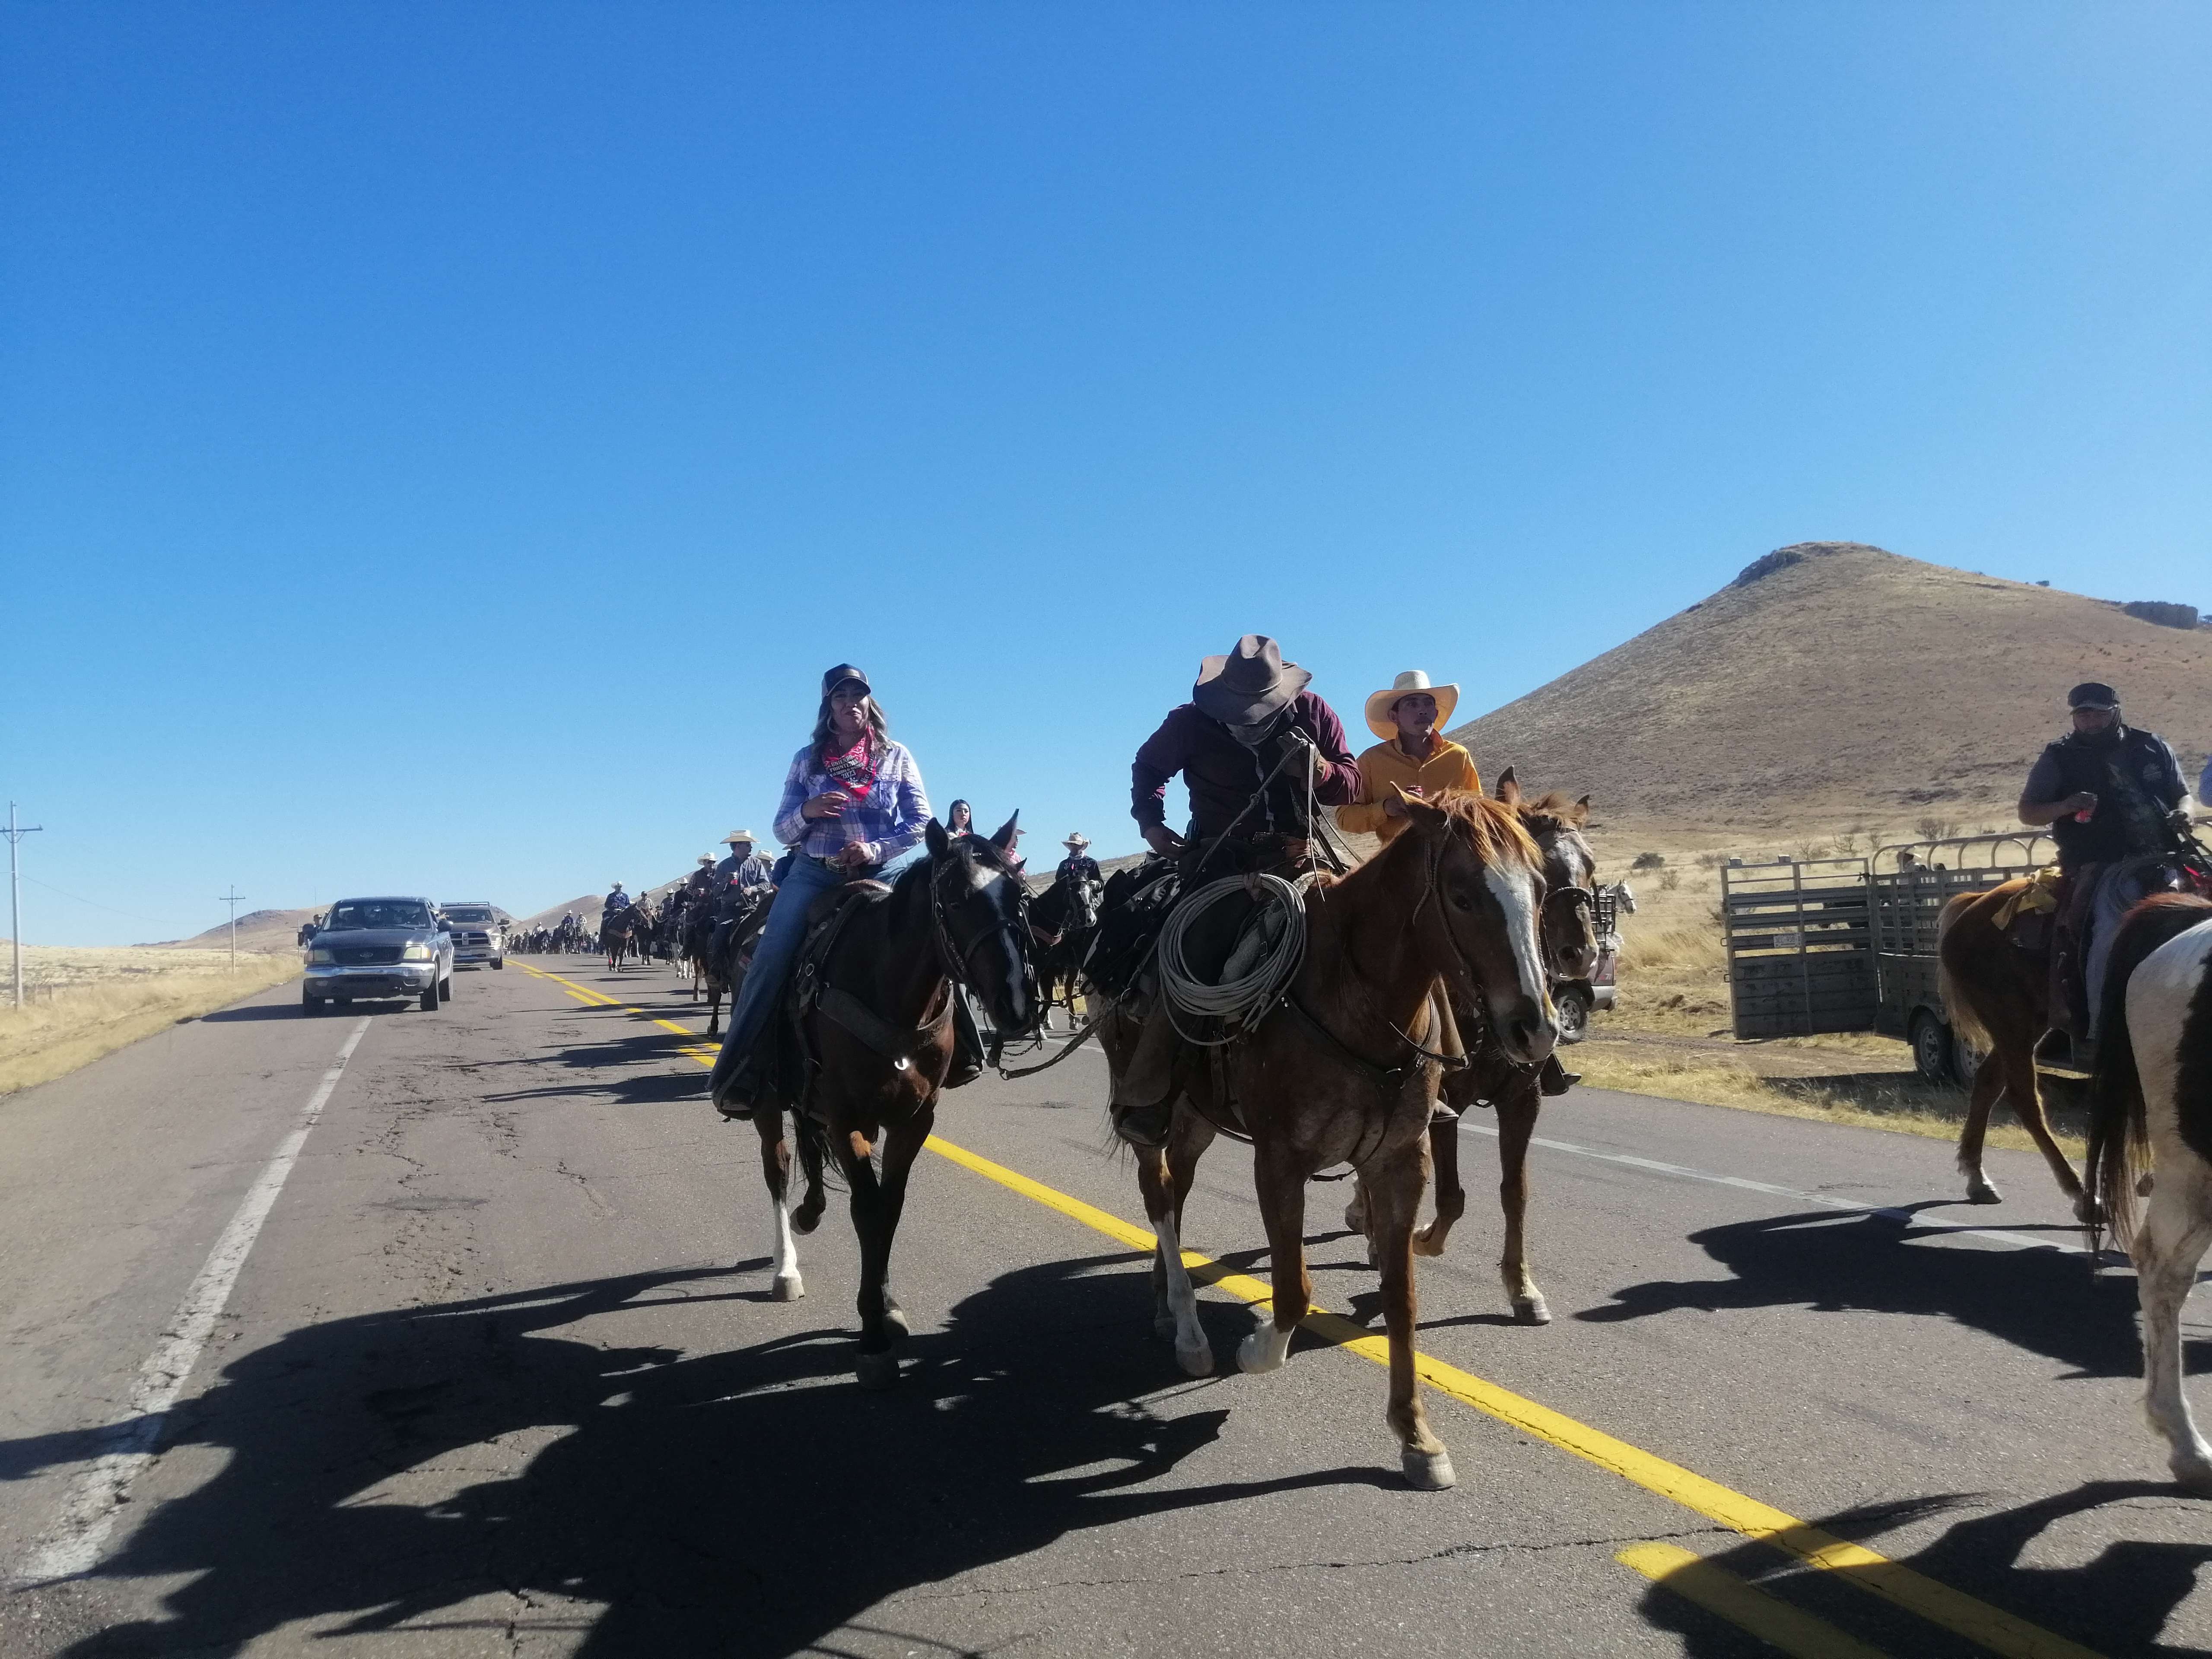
2047	1302
751	1501
2117	1602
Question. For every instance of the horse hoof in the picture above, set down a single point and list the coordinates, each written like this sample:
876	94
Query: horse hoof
803	1221
877	1371
1981	1192
1531	1310
1428	1471
2194	1473
1256	1354
895	1324
1195	1362
787	1288
1425	1242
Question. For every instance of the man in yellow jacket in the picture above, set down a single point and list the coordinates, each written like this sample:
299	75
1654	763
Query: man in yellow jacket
1416	757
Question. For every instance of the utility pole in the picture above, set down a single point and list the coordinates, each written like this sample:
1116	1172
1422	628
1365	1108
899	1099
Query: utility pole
231	899
15	833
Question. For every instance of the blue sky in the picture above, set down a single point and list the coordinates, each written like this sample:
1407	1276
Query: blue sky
441	445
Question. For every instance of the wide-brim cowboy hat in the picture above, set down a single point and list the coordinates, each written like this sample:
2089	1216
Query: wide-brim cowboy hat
1248	684
1078	839
736	835
706	858
1380	705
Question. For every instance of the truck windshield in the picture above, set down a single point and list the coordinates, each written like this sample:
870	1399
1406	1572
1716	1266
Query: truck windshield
376	913
468	912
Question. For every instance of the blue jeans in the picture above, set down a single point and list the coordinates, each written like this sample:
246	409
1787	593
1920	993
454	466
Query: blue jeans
779	942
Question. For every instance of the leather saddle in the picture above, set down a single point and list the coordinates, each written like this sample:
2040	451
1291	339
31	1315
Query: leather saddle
809	991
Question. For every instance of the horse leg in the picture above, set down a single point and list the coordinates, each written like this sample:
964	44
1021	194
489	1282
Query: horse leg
1451	1197
2027	1105
1989	1084
808	1216
2167	1247
1393	1195
1282	1191
1516	1122
1175	1303
784	1284
877	1203
715	1011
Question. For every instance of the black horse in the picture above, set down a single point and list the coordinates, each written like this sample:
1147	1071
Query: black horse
1064	919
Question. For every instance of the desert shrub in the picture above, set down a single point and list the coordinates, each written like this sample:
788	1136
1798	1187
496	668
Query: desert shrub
2164	614
1650	861
1935	829
1711	860
1670	880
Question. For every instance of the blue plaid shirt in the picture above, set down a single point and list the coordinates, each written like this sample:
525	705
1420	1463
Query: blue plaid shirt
891	818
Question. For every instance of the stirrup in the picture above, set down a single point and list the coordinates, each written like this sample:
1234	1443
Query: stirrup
1555	1079
2059	1053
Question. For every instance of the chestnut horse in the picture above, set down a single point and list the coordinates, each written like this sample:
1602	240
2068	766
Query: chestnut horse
1568	933
2153	1094
1342	1073
1998	998
879	1042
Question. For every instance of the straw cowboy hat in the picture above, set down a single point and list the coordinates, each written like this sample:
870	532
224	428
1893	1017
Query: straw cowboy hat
736	835
1077	842
1380	705
706	858
1248	684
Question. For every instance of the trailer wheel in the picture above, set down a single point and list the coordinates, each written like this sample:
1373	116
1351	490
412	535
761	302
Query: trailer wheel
1573	1004
1967	1058
1931	1047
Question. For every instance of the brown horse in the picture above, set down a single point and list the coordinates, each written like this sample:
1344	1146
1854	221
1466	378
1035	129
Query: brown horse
623	931
1998	998
1339	1074
1568	931
877	1042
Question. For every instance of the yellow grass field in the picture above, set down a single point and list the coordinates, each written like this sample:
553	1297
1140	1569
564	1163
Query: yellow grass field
81	1003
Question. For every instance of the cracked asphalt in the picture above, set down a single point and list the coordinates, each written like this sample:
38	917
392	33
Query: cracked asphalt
500	1375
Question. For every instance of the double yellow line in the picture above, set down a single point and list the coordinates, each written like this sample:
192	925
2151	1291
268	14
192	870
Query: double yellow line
1784	1626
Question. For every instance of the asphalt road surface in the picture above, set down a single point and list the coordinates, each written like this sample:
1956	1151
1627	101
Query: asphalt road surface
465	1347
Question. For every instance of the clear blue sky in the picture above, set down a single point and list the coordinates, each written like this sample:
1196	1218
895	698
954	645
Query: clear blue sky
441	445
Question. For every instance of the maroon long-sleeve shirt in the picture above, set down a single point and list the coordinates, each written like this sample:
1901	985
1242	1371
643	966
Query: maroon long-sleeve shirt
1222	773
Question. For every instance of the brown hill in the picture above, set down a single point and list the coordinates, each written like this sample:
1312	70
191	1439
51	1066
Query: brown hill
1832	682
257	930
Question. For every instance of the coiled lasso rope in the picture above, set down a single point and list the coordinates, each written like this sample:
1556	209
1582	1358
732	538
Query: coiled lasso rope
1250	995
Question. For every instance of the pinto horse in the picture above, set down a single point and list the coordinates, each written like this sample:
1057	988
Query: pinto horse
1568	933
1341	1073
2151	1096
957	918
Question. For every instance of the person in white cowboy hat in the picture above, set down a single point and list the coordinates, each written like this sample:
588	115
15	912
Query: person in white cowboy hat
1415	757
700	884
617	900
1079	865
748	869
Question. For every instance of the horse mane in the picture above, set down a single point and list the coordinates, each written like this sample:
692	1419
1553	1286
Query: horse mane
1548	811
1496	829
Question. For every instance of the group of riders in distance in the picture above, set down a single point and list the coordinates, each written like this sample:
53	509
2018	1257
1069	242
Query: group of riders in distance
1250	977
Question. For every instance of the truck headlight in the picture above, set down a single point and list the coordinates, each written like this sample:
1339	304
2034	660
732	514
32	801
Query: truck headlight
417	953
317	953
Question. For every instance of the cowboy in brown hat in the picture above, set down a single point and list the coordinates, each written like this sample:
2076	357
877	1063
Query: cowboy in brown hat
1252	746
1248	716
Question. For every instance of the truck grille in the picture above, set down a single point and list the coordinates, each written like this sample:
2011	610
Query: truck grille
364	954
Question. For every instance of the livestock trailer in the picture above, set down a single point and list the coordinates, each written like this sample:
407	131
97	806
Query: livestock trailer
1849	945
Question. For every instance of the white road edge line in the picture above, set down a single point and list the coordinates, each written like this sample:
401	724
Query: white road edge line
1911	1218
72	1546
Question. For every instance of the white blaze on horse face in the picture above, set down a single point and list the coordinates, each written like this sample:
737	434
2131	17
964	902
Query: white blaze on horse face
1516	893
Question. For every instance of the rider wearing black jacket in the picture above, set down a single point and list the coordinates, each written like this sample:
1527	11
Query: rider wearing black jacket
2114	800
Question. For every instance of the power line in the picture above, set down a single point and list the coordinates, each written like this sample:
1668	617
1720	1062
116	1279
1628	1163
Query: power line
232	898
15	833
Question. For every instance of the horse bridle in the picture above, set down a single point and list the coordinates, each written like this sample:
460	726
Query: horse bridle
955	961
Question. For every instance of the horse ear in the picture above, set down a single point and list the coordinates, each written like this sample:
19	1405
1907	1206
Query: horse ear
1004	838
1582	812
1509	787
1422	813
939	843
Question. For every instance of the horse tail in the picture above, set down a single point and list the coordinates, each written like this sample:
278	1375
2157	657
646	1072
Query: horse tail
1966	1020
2119	1132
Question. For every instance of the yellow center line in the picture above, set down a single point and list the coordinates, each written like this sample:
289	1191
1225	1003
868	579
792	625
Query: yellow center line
1774	1621
1992	1628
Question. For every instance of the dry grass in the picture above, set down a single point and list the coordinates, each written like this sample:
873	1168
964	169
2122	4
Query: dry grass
83	1003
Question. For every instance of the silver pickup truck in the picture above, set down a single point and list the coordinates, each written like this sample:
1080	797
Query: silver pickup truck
479	933
379	947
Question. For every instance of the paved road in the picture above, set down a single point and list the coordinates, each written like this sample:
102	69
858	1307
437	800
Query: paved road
496	1372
